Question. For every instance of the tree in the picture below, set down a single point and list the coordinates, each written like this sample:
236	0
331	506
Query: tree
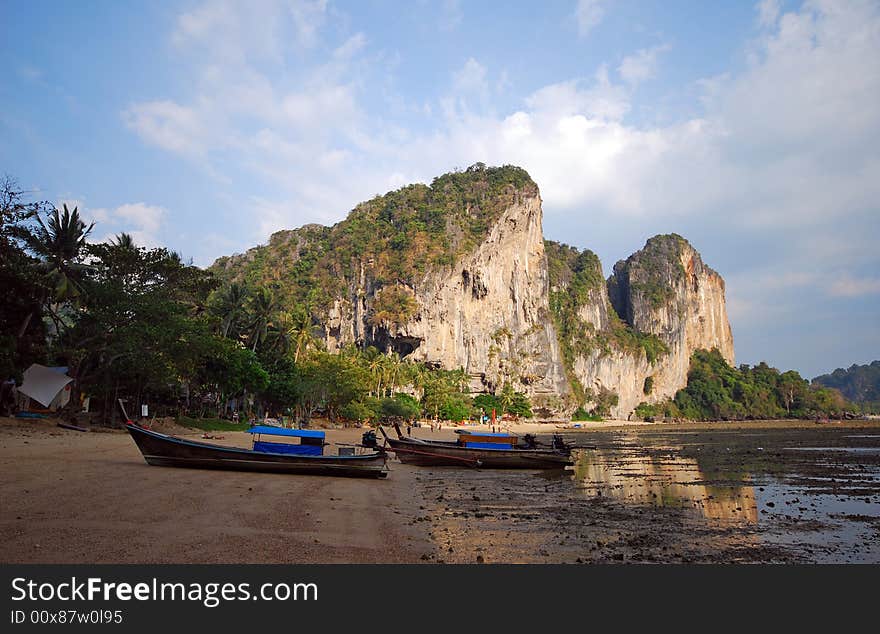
262	308
229	304
295	332
139	330
400	407
22	338
58	243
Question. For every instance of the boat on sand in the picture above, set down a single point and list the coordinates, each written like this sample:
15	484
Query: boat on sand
306	457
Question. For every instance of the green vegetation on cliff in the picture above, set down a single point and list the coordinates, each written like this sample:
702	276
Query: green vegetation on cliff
649	275
391	239
576	282
718	391
858	383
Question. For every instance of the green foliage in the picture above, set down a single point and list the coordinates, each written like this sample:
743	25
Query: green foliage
393	305
648	387
574	276
652	272
858	383
520	406
621	336
580	414
391	239
401	407
576	281
488	402
456	407
22	332
717	391
361	411
603	401
508	401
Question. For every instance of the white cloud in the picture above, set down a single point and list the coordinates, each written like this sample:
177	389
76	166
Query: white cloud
789	144
850	287
351	46
308	17
141	221
768	12
588	14
230	32
451	15
145	218
641	65
169	126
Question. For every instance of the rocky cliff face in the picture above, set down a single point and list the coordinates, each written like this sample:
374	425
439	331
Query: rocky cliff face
641	328
458	275
487	314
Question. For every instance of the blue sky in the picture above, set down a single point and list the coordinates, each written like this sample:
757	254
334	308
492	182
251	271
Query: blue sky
751	129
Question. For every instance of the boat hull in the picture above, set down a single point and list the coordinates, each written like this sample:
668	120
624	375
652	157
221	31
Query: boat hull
435	454
168	451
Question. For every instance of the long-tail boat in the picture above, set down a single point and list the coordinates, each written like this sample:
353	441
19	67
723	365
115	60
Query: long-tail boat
305	457
483	450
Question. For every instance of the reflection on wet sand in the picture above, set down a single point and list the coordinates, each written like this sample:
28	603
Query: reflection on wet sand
672	481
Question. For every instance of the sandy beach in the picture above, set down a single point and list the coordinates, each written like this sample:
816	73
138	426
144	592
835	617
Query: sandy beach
74	497
698	492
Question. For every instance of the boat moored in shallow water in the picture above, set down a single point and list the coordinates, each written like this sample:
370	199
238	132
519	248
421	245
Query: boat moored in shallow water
479	449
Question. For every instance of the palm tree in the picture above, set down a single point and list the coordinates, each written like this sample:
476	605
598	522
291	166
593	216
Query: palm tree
59	243
231	304
124	241
263	308
301	333
376	366
396	370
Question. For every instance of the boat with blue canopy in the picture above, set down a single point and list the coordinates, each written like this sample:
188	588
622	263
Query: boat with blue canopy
481	449
270	455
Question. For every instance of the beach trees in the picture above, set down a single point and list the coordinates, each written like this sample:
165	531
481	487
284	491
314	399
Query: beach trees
22	338
295	333
263	306
229	304
141	327
57	245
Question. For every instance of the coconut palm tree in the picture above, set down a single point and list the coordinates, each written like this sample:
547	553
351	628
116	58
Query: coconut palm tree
232	301
302	333
263	309
124	241
58	243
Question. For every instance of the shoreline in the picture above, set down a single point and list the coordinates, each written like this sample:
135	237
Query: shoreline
75	497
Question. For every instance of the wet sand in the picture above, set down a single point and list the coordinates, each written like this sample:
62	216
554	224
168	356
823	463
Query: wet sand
753	492
73	497
768	491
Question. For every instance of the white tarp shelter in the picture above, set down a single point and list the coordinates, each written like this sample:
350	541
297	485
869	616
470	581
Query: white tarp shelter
43	384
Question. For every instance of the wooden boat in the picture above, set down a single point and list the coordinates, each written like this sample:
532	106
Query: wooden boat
274	457
488	451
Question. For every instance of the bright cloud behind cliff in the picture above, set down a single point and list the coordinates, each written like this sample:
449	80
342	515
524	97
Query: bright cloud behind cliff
754	131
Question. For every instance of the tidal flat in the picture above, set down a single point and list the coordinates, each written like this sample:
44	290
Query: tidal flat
766	491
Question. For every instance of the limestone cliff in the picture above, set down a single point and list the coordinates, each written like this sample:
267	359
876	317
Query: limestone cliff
631	340
452	274
457	274
488	313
